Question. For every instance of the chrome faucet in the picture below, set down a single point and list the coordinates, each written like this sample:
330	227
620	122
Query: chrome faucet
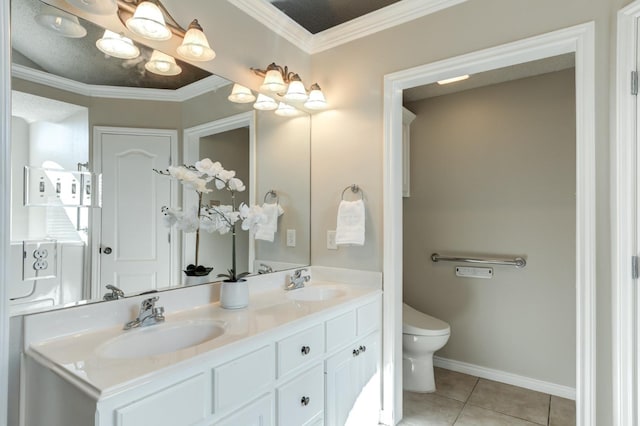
297	279
115	294
148	315
265	269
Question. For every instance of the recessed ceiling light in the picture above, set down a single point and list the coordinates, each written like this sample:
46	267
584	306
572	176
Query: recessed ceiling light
453	80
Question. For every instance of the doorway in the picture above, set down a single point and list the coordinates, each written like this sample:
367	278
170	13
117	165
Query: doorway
577	39
493	177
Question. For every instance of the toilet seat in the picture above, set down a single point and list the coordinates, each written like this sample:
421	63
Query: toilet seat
420	324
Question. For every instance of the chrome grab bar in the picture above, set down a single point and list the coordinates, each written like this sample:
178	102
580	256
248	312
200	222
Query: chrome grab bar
518	262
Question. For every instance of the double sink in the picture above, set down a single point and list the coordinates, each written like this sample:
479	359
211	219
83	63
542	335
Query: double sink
173	336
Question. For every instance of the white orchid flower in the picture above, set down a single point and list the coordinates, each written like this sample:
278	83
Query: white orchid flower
209	167
177	172
170	216
200	185
189	222
236	184
252	217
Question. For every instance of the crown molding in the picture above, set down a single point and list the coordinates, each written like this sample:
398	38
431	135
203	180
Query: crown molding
395	14
379	20
192	90
271	17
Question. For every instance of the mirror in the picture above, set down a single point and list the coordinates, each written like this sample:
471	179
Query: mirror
56	125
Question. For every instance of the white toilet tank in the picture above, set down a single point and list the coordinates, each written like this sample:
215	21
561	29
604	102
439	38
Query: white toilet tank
420	324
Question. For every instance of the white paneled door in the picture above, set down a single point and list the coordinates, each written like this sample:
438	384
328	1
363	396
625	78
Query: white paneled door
134	246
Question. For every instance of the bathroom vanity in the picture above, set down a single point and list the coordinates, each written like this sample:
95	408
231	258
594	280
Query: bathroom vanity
304	357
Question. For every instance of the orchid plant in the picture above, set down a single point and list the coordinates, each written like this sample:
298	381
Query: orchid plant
222	219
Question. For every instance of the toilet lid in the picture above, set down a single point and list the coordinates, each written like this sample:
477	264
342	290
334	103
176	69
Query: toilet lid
421	324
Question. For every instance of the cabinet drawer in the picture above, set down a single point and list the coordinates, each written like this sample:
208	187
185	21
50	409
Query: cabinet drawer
369	317
258	413
341	330
242	379
181	404
295	351
302	399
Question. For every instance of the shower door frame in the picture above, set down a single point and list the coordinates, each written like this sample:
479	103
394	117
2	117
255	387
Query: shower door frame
578	40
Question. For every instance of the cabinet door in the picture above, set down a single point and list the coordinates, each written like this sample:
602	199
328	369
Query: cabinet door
259	413
353	384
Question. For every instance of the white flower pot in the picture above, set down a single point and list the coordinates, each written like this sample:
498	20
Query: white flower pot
234	294
197	279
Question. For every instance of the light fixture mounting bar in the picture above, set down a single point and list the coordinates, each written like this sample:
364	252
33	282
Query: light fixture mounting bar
287	75
126	8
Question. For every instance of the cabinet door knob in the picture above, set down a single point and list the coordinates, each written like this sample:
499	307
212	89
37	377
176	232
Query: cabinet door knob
356	352
305	350
363	348
304	401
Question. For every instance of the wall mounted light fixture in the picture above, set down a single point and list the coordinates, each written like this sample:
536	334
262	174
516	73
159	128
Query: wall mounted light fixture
152	20
162	64
60	22
117	45
279	82
149	19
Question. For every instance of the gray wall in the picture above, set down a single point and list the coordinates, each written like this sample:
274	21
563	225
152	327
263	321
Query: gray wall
493	173
231	149
347	140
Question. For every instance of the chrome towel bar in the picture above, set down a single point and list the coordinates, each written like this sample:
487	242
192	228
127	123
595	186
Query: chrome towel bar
518	262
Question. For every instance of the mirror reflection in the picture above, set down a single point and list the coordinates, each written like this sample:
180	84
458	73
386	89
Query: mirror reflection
121	139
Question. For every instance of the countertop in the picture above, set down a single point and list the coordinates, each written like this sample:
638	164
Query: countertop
77	357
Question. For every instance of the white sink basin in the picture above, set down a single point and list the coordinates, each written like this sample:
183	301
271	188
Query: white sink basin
315	294
161	339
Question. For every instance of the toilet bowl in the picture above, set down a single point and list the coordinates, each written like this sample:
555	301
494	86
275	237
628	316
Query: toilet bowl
422	335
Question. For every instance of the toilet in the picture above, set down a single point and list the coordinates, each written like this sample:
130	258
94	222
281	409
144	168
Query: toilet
422	335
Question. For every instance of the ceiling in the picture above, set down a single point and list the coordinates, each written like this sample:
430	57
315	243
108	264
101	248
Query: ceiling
320	15
78	59
487	78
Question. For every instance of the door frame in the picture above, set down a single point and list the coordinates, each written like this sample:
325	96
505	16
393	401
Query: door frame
579	40
96	214
624	210
191	154
5	197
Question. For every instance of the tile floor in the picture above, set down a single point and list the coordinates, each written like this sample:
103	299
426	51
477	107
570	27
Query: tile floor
464	400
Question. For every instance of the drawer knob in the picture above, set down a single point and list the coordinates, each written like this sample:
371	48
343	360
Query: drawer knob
305	350
356	352
363	348
304	401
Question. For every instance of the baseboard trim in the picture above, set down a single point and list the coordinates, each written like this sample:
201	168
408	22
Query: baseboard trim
504	377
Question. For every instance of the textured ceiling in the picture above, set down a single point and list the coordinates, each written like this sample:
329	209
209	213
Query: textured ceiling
318	15
78	58
34	108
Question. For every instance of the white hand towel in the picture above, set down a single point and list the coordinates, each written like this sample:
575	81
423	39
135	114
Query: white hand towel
350	224
266	231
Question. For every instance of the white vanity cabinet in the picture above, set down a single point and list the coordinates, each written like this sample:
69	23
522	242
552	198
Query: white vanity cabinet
311	372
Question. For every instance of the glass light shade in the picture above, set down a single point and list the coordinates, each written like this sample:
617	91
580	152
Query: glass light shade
162	64
273	82
96	7
60	22
265	103
195	45
117	45
316	100
148	22
241	95
296	91
286	110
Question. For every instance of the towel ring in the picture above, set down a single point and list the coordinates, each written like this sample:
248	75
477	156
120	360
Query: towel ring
271	194
355	189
